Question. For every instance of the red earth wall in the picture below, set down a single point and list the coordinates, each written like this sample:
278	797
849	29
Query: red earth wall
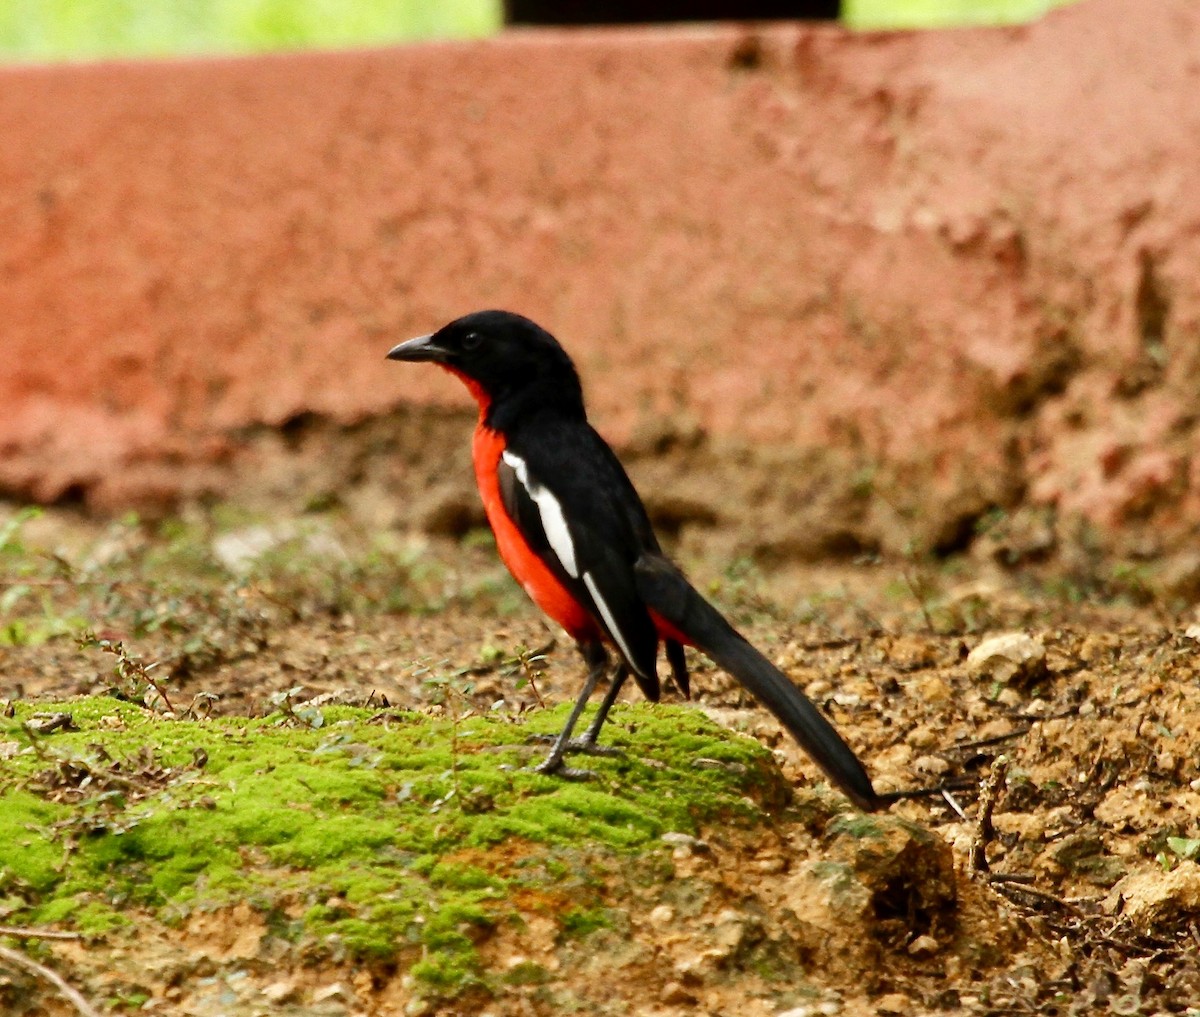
968	260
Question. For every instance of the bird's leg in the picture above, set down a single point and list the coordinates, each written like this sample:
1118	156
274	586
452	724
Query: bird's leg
588	742
597	659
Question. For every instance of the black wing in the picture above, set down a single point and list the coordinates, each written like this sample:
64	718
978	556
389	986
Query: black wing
575	506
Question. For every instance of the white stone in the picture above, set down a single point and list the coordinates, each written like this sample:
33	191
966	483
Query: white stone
1013	658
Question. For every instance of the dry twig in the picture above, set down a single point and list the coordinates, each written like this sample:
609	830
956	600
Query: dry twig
18	959
983	743
984	831
1011	889
953	803
22	933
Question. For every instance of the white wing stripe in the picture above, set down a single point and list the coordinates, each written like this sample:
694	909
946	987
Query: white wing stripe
607	615
554	523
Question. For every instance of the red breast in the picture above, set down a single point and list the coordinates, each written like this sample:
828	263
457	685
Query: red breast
527	568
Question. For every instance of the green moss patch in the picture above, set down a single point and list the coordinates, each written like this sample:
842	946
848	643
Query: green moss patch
394	837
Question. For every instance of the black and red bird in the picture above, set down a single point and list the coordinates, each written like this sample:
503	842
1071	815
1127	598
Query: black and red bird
574	533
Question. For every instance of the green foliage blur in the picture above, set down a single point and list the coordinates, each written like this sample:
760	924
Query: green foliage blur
885	14
42	30
91	29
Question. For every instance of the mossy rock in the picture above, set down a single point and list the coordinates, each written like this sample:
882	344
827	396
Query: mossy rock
396	838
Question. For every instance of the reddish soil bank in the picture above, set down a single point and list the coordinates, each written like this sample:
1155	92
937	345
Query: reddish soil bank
923	275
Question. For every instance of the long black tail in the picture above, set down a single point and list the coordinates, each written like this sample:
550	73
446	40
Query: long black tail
664	589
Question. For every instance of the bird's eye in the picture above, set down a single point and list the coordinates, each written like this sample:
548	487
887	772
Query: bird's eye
471	341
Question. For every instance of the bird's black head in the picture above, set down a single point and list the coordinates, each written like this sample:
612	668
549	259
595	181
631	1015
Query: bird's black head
502	357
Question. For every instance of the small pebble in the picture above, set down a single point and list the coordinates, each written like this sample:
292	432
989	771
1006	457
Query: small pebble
934	765
922	737
335	990
1012	658
1008	697
923	946
664	914
279	992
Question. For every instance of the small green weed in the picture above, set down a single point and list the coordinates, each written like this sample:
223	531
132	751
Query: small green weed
1185	849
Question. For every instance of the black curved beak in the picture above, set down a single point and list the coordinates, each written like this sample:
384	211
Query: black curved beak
421	348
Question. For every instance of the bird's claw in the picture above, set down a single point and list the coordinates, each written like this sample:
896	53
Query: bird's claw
582	745
553	766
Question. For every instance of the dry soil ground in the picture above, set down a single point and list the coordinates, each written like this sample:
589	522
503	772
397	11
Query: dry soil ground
1075	889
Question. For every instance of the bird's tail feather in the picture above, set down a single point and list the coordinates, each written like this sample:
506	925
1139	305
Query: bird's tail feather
665	590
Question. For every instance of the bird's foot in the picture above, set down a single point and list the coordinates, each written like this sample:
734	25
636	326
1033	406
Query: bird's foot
586	746
553	765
